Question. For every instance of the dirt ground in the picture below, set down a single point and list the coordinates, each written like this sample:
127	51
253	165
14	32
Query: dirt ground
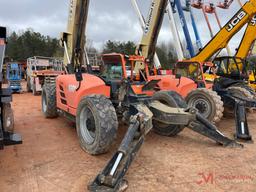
51	160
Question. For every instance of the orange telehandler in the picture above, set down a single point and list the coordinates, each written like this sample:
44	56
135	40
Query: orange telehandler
95	102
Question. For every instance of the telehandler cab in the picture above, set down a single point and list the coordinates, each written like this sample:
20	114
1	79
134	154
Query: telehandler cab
95	102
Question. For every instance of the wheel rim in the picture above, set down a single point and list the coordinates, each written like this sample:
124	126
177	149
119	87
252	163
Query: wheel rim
202	105
44	103
87	125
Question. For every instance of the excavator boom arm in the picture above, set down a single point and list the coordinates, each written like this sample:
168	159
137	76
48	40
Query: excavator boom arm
221	39
247	40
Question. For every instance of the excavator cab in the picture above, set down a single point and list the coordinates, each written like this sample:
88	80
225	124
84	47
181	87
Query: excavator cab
231	67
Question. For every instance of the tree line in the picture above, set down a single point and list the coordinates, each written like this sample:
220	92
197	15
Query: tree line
23	45
29	43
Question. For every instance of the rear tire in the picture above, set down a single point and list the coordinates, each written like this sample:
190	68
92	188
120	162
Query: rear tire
48	100
172	99
208	103
96	124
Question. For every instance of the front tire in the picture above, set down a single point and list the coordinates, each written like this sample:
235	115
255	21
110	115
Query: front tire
48	100
96	124
207	102
171	99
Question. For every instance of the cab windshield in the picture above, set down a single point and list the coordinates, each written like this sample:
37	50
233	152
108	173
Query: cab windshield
112	68
189	69
228	66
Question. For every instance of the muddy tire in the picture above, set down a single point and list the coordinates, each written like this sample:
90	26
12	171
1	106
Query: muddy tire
96	124
244	89
208	103
48	100
171	99
238	91
8	119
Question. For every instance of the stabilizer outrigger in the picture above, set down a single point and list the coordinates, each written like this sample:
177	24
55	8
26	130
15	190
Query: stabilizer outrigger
142	113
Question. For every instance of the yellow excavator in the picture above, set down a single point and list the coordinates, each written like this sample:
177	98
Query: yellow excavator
239	61
202	60
230	84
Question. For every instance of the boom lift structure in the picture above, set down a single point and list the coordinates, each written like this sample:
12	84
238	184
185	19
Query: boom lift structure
187	8
221	39
183	21
157	63
94	102
7	135
210	9
197	36
169	11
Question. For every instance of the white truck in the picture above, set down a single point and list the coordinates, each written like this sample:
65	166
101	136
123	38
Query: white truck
39	67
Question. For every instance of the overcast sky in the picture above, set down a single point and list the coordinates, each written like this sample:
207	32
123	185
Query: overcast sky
108	19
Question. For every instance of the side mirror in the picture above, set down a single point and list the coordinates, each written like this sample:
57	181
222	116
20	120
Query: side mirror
177	76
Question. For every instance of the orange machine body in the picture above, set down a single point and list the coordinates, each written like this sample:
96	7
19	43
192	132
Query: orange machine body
69	94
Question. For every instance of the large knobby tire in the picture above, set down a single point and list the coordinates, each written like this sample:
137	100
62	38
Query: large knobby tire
48	100
172	99
8	119
240	92
96	124
245	90
207	102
